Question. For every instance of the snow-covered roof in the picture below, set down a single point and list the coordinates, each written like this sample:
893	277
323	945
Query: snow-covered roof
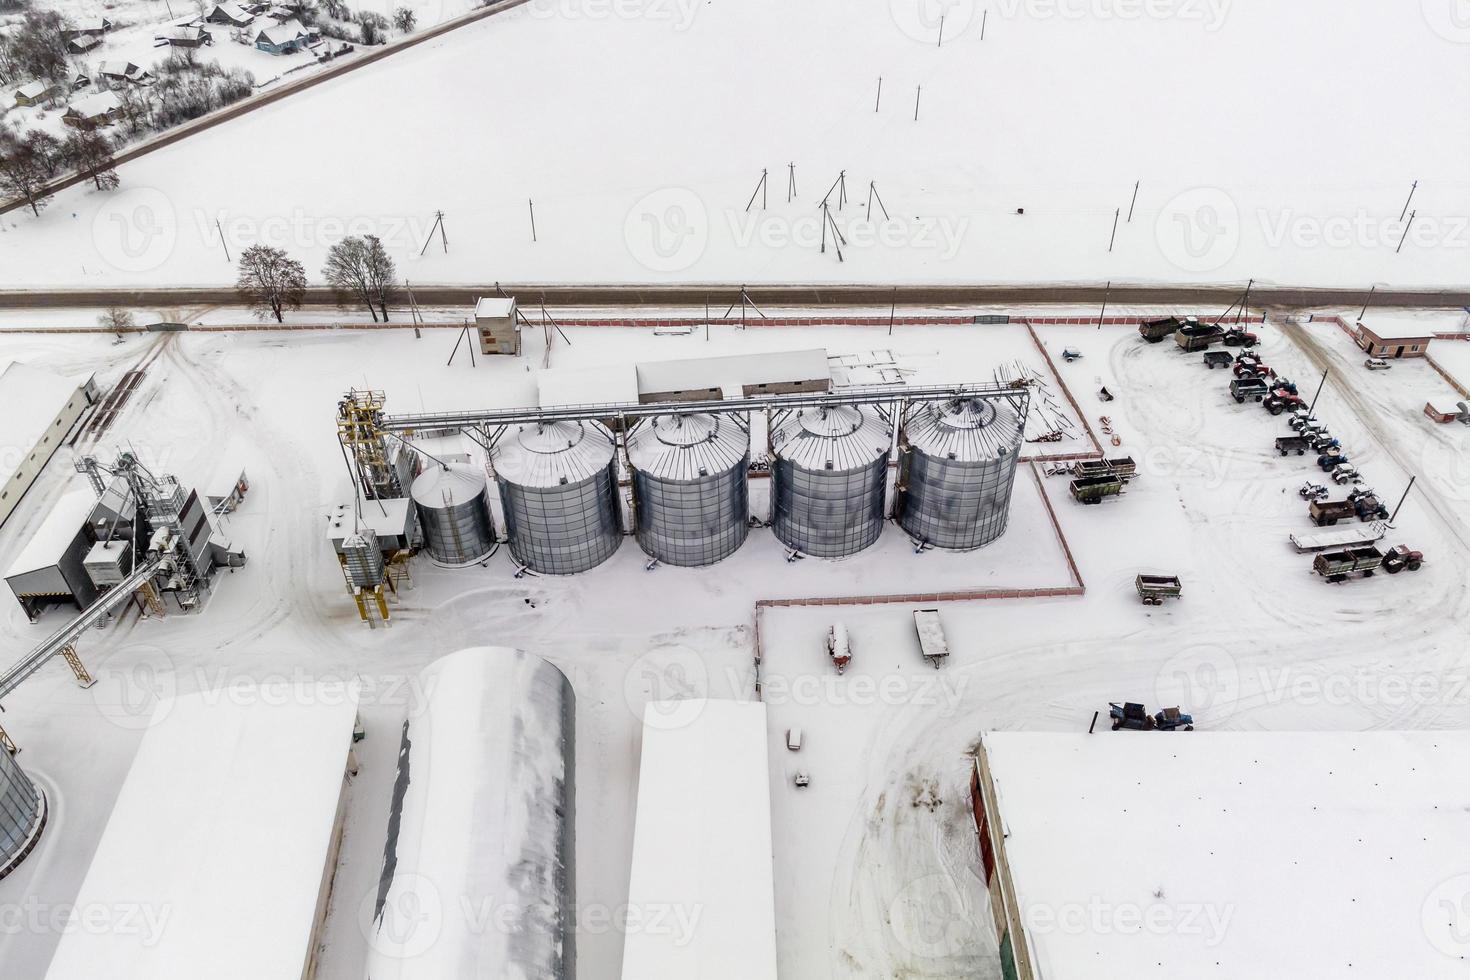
1402	329
551	454
734	371
485	822
218	839
34	90
232	11
85	42
118	69
31	399
615	384
702	844
689	447
1251	854
180	32
836	437
57	531
282	33
495	306
97	104
385	518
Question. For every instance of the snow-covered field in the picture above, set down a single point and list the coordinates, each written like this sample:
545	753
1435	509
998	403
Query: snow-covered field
875	859
639	131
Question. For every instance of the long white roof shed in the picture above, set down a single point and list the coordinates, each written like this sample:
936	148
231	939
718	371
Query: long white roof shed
734	373
222	844
1232	854
702	886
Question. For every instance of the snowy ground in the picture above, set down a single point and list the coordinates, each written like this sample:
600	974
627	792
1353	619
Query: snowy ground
868	882
1246	142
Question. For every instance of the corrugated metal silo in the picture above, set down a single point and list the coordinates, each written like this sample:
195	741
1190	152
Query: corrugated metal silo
690	483
479	871
829	472
22	813
452	510
558	487
957	463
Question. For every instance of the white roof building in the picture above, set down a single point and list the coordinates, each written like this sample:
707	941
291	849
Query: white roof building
735	375
702	844
1259	854
494	306
223	841
37	410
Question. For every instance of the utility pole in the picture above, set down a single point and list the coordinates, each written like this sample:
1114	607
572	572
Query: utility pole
1134	201
1402	499
222	241
1411	197
918	89
790	181
1371	291
879	100
532	206
1114	236
1107	290
1412	215
1320	385
892	310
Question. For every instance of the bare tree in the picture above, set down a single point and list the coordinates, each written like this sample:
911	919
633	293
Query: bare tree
89	153
25	174
117	320
381	273
38	45
347	271
405	20
270	281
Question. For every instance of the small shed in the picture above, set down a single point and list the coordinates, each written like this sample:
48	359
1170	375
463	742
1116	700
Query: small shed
36	93
285	38
229	14
123	73
98	109
83	43
93	27
184	36
50	569
734	376
1393	339
495	319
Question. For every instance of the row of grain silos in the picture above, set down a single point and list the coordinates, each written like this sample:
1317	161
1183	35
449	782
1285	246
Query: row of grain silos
558	485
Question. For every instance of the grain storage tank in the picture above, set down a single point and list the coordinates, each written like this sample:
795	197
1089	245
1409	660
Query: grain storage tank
830	467
451	503
558	488
22	813
478	876
957	462
689	480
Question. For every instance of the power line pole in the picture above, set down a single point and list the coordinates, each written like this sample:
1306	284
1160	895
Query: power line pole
1134	201
1406	203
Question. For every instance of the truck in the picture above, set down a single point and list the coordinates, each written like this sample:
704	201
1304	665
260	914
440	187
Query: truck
1154	331
1094	489
1195	338
1338	566
1253	388
1292	444
1363	506
932	643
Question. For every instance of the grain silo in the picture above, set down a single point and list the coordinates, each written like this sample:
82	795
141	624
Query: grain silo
558	488
451	502
690	485
829	471
957	462
479	875
22	813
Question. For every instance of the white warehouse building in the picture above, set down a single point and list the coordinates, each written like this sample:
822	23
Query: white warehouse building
37	410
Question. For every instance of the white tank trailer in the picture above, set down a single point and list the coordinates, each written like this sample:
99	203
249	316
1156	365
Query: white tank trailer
478	875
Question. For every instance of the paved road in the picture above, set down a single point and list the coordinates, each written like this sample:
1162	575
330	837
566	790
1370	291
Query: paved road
781	296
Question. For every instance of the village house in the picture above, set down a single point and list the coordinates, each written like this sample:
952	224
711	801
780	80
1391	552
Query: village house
230	14
191	36
123	73
83	43
1393	340
98	109
284	38
36	93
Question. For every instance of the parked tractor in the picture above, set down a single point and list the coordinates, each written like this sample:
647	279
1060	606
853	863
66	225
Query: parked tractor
1328	460
1312	491
1346	473
1339	566
1237	337
1281	400
1300	420
1133	717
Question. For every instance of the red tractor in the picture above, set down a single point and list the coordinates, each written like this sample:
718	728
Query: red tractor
1252	369
1282	400
1238	337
